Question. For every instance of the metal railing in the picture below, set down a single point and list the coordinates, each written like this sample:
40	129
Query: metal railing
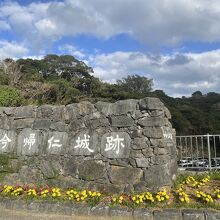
200	152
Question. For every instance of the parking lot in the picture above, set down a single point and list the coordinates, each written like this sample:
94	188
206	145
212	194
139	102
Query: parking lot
201	152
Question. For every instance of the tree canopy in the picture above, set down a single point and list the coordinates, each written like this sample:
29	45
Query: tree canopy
64	79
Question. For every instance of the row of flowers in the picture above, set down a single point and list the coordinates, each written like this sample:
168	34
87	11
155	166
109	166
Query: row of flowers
188	191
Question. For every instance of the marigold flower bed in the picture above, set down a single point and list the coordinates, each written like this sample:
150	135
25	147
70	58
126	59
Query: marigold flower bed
191	192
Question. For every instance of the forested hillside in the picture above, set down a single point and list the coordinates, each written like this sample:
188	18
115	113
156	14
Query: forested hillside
64	79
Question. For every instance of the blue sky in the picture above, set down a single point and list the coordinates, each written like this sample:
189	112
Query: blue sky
176	43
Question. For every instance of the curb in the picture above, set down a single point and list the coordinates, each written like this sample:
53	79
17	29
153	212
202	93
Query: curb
74	209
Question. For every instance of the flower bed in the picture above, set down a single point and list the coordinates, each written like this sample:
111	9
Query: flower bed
189	192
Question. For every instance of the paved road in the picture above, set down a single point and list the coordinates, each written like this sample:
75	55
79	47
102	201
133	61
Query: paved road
6	214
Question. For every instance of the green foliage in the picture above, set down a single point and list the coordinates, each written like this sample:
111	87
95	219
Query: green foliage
4	79
64	79
87	86
136	85
65	92
10	96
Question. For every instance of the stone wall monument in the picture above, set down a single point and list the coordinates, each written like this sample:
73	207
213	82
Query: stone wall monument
128	145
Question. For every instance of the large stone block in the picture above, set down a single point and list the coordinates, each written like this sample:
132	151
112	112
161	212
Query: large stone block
22	123
7	111
47	169
71	167
192	214
125	175
157	176
86	108
143	214
121	212
140	143
25	112
122	121
117	108
5	123
150	103
167	133
42	123
157	113
84	143
91	170
59	126
50	112
29	142
124	106
212	215
115	145
76	110
95	123
142	162
171	214
7	141
153	132
57	143
151	122
31	175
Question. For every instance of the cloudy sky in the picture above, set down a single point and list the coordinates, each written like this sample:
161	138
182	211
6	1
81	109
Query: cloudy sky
174	42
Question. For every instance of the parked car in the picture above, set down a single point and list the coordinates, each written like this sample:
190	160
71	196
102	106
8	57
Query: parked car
215	162
201	162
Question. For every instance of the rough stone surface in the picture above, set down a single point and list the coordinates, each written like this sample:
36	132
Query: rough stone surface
117	147
142	162
47	169
84	143
122	212
22	123
42	123
140	143
143	214
212	215
120	175
29	142
155	175
151	104
172	214
30	209
91	170
122	121
7	141
57	142
193	215
151	122
153	132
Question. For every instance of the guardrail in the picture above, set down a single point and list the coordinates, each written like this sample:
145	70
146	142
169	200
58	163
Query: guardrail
200	152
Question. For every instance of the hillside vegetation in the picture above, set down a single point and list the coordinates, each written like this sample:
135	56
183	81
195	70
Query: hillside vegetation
64	79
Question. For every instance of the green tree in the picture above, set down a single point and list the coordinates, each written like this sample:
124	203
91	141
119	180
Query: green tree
136	85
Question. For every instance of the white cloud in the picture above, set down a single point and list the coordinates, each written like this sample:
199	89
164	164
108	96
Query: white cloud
72	50
12	50
4	26
177	74
157	22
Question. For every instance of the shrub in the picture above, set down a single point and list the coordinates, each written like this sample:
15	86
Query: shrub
4	80
10	96
65	91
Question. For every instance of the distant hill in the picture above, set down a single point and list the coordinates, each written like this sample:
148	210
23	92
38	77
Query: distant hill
64	79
